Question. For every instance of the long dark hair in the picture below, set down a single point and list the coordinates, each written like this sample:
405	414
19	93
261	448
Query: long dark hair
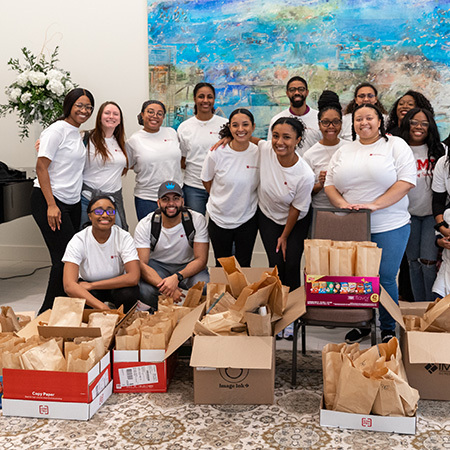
98	137
433	140
70	99
225	130
421	102
197	87
379	114
352	105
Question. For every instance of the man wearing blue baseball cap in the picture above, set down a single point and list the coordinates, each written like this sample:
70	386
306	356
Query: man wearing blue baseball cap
172	244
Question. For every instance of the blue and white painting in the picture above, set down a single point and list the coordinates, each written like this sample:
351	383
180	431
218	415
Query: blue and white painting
248	49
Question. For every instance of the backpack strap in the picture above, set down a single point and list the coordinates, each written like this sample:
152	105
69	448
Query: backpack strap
156	228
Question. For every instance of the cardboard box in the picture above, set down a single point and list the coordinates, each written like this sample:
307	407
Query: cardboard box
426	356
351	292
56	410
370	422
152	370
240	369
52	386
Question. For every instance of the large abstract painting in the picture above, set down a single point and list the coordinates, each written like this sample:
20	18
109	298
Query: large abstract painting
248	49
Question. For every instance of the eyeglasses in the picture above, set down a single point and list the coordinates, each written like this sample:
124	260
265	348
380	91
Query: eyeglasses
81	106
326	123
300	89
366	95
152	113
416	123
100	211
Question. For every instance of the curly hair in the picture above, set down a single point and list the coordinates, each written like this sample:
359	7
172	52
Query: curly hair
225	130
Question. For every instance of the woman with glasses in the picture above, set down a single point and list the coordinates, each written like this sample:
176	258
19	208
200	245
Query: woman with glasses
365	93
106	161
101	263
419	130
197	134
154	155
376	172
55	200
319	155
410	100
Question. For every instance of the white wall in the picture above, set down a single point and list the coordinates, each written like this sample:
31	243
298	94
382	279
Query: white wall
103	43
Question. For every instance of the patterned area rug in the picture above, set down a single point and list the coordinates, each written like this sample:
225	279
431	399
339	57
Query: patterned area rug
171	421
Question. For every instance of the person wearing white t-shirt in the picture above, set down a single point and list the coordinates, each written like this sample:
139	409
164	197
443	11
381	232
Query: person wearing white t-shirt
376	173
231	175
197	135
365	93
420	131
174	257
155	156
284	198
55	200
319	155
101	263
106	161
297	92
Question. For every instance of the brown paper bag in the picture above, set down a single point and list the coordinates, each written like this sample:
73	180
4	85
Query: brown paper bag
223	303
67	312
258	325
342	261
317	260
194	295
213	291
356	392
226	323
332	360
11	358
236	279
128	342
367	261
365	362
393	356
256	294
438	314
157	336
107	323
97	343
8	320
47	356
81	359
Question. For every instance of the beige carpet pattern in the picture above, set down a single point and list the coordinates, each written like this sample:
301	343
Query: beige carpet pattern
172	421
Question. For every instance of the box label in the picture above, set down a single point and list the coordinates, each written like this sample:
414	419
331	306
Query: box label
134	376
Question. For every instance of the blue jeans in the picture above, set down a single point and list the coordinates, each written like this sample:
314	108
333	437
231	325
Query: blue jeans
84	214
421	247
144	207
393	243
150	293
195	198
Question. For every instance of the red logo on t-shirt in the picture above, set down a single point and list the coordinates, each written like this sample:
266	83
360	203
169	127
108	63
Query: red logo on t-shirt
252	167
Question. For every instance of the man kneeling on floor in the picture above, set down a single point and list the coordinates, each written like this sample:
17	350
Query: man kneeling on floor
172	244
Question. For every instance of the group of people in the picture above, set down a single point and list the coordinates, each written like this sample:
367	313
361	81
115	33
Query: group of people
245	184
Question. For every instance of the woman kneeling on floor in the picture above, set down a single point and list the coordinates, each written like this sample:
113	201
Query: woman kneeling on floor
101	263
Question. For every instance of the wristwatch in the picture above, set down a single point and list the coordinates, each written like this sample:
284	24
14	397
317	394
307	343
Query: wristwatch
179	276
441	224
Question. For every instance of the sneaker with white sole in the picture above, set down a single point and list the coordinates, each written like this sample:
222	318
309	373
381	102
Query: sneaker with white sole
357	335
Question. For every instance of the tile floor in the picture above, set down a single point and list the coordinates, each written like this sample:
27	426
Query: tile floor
27	293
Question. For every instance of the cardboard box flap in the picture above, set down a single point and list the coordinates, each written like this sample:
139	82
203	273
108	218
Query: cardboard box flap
237	352
425	348
413	308
31	328
295	308
68	332
184	329
391	307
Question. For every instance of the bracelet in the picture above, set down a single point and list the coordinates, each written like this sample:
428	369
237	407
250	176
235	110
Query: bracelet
441	224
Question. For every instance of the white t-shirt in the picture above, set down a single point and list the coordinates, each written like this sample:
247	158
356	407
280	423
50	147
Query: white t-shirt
61	143
312	131
318	157
172	246
196	138
441	176
234	191
155	157
421	197
101	261
362	173
106	176
280	187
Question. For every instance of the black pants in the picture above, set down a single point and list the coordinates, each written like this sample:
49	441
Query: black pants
243	238
126	296
289	270
56	241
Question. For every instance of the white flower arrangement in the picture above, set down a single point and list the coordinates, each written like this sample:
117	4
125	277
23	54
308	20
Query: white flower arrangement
38	92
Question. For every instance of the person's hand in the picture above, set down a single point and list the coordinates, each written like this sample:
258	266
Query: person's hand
178	296
282	245
322	177
444	231
444	242
86	285
223	142
168	286
54	217
370	206
37	145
